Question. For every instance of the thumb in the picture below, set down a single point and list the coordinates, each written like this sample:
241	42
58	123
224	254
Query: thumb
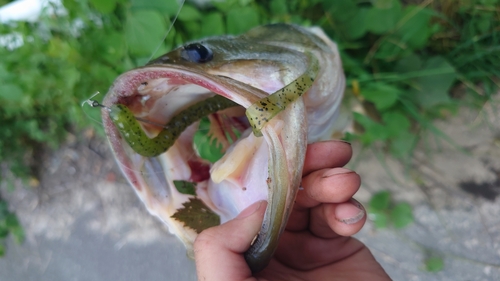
218	251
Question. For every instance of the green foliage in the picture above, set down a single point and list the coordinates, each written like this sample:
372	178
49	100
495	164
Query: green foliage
185	187
434	264
207	147
144	29
383	211
9	224
404	59
196	215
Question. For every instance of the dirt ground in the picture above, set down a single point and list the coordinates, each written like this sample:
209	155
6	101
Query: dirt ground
83	221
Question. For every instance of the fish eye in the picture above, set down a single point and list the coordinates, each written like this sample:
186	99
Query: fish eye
196	52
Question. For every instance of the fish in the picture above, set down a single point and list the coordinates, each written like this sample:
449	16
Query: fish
265	94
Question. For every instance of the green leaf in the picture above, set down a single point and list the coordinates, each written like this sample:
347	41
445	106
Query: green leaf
185	187
2	250
114	47
204	145
196	215
168	7
4	73
3	231
382	4
62	50
396	123
100	70
10	93
244	3
483	24
355	26
434	264
72	77
241	20
373	130
144	31
379	218
401	215
341	10
392	49
213	24
381	94
4	208
225	6
380	201
278	7
193	29
409	64
11	221
416	30
189	13
382	20
402	144
18	233
104	6
433	89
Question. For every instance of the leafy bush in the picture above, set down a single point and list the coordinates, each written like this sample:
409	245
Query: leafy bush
9	224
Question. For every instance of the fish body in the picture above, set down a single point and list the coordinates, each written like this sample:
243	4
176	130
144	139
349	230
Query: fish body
279	86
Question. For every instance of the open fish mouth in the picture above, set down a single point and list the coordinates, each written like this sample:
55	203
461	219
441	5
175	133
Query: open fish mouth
255	98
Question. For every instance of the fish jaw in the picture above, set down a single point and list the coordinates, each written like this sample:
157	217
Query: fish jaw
152	177
286	160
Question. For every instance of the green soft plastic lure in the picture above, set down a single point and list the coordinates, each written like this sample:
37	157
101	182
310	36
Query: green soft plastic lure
129	127
261	112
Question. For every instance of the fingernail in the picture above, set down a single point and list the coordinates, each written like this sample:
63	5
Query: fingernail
350	212
346	142
337	171
250	210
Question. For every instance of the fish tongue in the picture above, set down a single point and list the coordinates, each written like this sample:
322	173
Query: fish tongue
238	179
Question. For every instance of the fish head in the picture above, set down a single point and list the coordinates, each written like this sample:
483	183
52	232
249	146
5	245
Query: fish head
153	116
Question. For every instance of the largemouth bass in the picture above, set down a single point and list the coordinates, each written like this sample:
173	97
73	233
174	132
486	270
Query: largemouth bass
266	94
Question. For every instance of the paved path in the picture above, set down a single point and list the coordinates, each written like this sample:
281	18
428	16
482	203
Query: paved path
85	223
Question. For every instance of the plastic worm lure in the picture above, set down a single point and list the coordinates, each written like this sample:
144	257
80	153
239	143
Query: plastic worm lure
129	127
261	112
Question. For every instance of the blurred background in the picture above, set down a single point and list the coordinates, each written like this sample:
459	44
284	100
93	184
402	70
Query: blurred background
422	91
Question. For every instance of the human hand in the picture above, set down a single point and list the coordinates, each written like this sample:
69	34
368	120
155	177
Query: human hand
315	244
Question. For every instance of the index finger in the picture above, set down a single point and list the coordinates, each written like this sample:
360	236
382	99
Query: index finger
326	154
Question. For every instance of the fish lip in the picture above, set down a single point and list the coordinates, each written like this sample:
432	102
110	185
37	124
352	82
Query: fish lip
124	85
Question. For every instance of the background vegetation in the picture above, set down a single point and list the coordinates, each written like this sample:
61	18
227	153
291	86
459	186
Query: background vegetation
407	63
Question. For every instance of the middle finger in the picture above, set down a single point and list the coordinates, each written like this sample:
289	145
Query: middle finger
328	186
323	186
